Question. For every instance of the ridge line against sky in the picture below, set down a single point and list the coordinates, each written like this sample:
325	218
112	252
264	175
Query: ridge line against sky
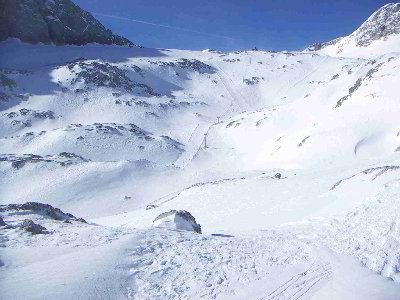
231	25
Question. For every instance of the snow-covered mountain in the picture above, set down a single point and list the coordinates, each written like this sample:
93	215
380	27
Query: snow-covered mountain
290	161
378	35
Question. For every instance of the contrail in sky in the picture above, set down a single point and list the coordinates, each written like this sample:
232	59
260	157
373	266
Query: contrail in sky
163	26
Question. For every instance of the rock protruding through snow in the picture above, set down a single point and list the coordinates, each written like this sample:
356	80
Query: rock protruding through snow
41	208
177	220
32	227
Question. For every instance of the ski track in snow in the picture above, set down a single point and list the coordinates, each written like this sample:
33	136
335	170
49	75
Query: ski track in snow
193	145
236	97
300	285
198	136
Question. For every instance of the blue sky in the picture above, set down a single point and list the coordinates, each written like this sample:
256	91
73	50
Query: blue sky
231	24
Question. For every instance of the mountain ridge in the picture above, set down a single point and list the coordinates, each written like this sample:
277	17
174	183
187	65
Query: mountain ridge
58	22
383	27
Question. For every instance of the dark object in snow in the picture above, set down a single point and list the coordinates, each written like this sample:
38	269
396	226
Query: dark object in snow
278	175
44	209
32	227
177	219
19	161
151	206
222	235
2	223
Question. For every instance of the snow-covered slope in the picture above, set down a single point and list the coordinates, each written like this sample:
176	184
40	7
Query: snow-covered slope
290	161
378	35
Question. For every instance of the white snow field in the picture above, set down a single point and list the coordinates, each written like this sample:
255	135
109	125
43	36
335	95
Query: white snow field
289	161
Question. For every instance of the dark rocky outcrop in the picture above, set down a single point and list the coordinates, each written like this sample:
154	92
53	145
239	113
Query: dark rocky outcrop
177	219
253	80
190	64
43	209
2	223
97	74
31	114
59	22
32	227
379	26
64	159
383	23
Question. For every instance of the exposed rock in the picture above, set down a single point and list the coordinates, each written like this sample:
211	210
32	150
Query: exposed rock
19	161
378	170
177	220
96	74
379	26
151	206
318	45
32	227
192	64
383	23
252	81
43	209
358	84
53	21
2	223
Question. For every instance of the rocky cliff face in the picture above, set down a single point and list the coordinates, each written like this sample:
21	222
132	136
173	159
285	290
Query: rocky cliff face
60	22
382	25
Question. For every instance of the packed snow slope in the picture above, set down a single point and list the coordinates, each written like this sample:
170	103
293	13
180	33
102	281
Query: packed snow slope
290	161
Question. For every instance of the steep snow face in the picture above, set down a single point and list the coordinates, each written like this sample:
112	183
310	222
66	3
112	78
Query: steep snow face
378	35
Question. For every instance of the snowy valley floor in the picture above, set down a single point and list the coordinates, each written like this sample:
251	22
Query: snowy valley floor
323	258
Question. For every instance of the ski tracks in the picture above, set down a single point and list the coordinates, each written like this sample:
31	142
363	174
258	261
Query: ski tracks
198	135
193	145
238	99
300	285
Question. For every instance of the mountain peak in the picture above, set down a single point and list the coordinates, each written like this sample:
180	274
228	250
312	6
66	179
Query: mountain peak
59	22
381	24
378	35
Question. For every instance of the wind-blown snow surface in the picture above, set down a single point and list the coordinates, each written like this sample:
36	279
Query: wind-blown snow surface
104	132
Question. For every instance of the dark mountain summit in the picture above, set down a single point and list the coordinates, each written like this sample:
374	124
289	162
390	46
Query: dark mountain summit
59	22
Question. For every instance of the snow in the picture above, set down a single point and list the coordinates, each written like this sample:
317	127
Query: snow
206	132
